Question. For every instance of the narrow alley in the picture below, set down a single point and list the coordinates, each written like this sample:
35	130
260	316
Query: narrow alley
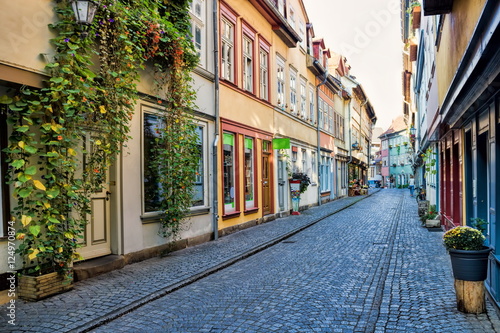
358	264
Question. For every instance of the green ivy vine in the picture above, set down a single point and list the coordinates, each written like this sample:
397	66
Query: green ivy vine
66	135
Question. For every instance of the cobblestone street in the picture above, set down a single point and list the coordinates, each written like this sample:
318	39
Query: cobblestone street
358	264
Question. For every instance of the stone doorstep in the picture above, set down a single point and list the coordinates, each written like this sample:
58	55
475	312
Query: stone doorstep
93	267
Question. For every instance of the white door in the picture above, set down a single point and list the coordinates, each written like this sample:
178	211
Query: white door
96	238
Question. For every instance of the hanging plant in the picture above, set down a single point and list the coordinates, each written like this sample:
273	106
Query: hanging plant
53	170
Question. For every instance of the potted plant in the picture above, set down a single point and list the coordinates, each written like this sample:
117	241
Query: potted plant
298	185
469	262
430	218
304	180
469	255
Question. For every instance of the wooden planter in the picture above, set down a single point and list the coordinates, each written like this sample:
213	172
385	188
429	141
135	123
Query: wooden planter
433	223
34	288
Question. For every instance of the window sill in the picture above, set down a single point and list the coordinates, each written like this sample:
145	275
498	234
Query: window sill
251	210
231	215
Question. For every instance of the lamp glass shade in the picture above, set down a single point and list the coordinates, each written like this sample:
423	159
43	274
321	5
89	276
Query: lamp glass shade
84	10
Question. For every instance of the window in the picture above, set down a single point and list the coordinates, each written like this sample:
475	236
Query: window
197	13
227	50
281	7
291	17
280	69
199	183
229	173
311	103
247	64
313	165
343	172
341	128
249	173
152	186
325	175
302	34
293	91
303	97
320	112
330	118
264	74
304	160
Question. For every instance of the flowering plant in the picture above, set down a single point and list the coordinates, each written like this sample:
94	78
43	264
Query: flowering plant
304	180
463	238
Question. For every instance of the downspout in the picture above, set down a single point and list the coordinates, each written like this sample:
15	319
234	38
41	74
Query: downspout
215	159
318	148
350	138
361	133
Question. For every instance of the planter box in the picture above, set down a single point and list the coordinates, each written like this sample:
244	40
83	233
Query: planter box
432	223
34	288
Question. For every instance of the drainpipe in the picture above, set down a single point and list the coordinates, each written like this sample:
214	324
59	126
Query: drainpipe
215	159
350	137
318	152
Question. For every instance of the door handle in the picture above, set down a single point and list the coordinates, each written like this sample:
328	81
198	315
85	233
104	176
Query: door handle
107	195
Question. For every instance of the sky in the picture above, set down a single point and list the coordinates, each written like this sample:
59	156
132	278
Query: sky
368	34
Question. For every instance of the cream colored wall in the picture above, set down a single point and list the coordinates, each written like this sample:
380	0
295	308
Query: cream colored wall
457	30
25	33
136	234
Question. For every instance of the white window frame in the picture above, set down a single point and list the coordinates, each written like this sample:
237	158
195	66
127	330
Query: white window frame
227	49
293	91
303	97
291	17
202	176
198	20
302	34
264	74
312	103
247	65
280	82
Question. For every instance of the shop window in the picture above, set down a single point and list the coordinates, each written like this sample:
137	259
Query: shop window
229	173
152	187
249	173
199	182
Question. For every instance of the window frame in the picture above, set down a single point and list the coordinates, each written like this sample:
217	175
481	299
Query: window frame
303	97
312	103
234	209
198	21
253	203
227	20
247	65
293	91
280	82
264	49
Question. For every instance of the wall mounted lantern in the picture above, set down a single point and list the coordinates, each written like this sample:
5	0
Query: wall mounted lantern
84	12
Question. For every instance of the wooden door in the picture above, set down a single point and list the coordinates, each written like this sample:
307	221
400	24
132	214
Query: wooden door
266	189
96	237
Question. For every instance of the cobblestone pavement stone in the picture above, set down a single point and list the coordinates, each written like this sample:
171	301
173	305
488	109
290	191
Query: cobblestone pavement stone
369	267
